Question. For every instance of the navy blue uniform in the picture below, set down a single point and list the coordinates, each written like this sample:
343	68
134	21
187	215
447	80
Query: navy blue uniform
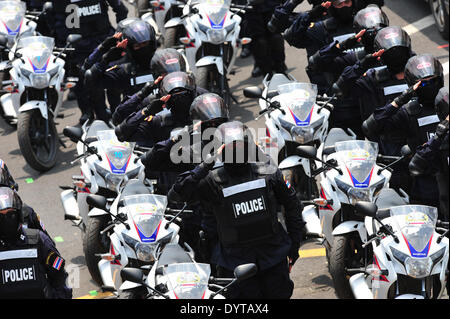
419	123
269	255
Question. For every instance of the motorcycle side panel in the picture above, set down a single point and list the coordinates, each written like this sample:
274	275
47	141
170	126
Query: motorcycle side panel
128	285
97	212
69	203
40	105
104	267
349	227
173	23
8	102
359	287
309	215
211	60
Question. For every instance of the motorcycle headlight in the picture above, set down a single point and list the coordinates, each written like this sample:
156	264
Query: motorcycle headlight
145	252
216	36
112	180
418	267
359	194
302	135
40	81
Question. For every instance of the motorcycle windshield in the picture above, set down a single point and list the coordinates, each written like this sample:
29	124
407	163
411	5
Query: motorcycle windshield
359	158
216	11
188	280
299	98
417	224
11	15
117	153
147	213
37	50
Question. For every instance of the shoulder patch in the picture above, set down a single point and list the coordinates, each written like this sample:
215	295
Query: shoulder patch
54	261
149	118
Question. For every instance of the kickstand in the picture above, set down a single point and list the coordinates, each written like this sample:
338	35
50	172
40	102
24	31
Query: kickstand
62	143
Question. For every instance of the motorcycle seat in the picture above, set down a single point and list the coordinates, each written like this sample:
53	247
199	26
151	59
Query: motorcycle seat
93	130
133	187
336	134
277	79
386	199
173	254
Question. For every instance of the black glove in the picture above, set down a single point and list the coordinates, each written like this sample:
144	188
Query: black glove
113	54
442	129
317	12
369	61
348	43
405	97
293	254
107	44
146	90
152	108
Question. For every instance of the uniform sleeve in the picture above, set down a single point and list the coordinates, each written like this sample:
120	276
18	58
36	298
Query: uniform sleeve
119	9
125	109
287	196
390	118
332	59
186	187
55	269
296	35
429	153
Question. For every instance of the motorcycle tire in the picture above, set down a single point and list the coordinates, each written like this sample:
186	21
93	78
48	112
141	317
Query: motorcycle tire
207	77
172	37
339	255
26	125
92	245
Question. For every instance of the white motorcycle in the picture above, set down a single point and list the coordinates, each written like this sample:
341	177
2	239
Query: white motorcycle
211	42
176	275
295	115
410	254
348	173
139	224
37	87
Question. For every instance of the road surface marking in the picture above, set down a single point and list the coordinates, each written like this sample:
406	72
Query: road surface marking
100	295
309	253
419	25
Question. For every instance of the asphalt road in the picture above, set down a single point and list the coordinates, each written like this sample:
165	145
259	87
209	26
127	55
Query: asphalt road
41	191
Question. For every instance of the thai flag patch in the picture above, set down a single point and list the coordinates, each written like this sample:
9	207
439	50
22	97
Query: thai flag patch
287	182
1	163
58	263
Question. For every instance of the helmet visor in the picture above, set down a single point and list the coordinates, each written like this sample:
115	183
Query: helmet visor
177	80
7	199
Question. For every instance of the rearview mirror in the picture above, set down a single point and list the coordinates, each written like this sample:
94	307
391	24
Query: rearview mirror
73	38
366	209
97	201
73	133
132	274
405	150
243	272
47	7
306	151
253	92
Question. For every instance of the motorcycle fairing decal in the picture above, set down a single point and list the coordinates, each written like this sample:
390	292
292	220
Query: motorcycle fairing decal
382	277
37	70
418	254
144	238
116	170
298	122
115	261
217	26
359	184
11	32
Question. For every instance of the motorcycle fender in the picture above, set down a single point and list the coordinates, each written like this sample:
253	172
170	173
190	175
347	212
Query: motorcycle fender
210	60
359	287
7	101
128	285
173	22
30	105
97	212
351	226
290	161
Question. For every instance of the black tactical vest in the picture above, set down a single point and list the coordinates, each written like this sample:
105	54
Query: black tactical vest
423	123
22	276
246	212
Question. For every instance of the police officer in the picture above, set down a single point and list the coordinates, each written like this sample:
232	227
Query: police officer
31	266
240	199
433	157
168	158
30	218
164	61
178	90
417	117
90	19
266	47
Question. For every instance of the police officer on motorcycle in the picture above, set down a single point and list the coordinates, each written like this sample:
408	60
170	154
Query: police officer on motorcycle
178	90
31	266
90	19
240	199
163	62
30	218
417	117
433	157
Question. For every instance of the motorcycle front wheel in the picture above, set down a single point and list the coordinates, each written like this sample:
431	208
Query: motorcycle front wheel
208	77
38	147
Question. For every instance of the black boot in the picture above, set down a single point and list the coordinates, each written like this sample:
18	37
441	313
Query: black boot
245	53
257	71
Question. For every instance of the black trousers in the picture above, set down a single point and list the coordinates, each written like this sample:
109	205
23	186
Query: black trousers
271	283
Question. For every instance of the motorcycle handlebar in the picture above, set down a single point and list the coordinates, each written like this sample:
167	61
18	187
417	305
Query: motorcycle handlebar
175	211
